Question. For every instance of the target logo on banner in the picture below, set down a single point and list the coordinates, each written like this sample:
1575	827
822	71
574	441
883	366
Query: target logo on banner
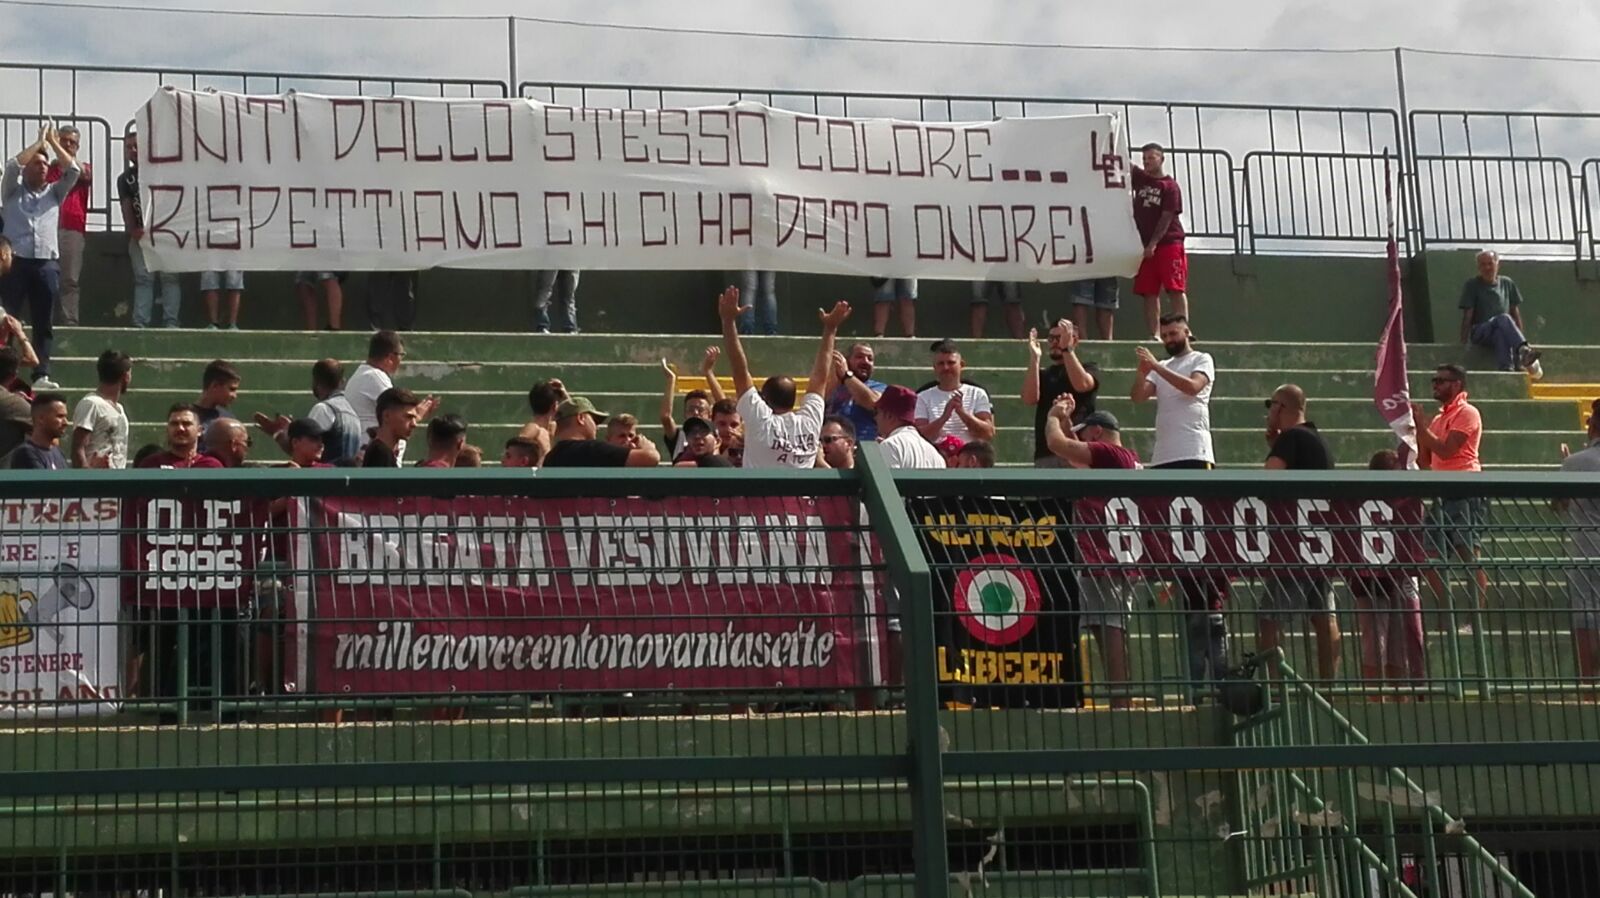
997	599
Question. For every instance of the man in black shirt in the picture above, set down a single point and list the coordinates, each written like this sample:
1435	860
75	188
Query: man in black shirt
1296	446
38	452
397	419
1066	374
577	424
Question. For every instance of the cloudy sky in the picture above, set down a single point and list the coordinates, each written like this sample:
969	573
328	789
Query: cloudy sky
134	34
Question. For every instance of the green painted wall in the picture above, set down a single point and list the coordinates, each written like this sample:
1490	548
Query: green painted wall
1561	299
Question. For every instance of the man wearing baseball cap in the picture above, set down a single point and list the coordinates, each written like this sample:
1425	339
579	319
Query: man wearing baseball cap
1105	594
575	444
902	443
305	439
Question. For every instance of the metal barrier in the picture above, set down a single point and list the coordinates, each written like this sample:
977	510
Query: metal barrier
672	682
99	147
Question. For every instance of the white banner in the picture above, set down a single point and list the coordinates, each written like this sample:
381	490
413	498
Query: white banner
304	182
59	651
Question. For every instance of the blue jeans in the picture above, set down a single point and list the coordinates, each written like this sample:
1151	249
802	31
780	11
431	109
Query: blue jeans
34	284
1501	334
759	290
147	288
562	286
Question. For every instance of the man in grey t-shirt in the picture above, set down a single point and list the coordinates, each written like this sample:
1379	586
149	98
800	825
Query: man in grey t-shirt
1583	545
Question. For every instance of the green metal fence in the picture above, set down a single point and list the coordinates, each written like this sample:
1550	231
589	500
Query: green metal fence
822	683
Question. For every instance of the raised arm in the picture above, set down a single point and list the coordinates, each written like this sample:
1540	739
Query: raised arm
1062	442
729	309
831	319
669	425
861	394
70	171
1143	390
1191	385
25	352
1030	380
708	368
33	149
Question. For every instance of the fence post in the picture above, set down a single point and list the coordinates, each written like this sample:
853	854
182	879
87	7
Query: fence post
909	573
511	56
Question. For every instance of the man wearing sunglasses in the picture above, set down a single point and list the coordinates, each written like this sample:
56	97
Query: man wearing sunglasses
1449	442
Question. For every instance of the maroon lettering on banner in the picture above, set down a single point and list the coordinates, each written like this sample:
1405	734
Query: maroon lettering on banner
1249	536
450	138
636	153
399	147
437	153
474	240
152	137
855	146
368	196
1110	163
851	209
566	199
190	553
879	229
267	105
986	227
1058	232
498	199
783	233
199	138
158	224
712	115
437	236
800	123
256	221
596	223
937	161
740	117
1088	237
919	216
468	594
916	144
335	197
338	107
661	129
658	200
1019	235
741	218
213	219
816	224
976	153
866	152
970	250
509	154
714	222
550	117
294	105
294	240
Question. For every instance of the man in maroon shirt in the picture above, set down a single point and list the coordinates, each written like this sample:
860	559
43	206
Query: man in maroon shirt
183	442
73	223
1157	205
1105	596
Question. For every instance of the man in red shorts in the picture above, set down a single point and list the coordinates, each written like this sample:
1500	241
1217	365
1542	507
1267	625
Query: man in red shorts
1157	205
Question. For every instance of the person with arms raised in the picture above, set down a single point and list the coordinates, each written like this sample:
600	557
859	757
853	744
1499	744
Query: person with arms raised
30	212
856	393
1067	376
776	433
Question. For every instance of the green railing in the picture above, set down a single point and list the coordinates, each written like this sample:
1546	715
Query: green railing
335	721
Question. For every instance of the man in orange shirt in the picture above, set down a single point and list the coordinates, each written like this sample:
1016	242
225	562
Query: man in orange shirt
1449	442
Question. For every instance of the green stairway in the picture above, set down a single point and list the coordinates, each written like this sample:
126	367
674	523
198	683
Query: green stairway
485	377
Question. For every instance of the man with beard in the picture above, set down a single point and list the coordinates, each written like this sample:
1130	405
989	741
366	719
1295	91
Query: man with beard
1449	442
183	442
1067	375
1181	386
856	395
838	443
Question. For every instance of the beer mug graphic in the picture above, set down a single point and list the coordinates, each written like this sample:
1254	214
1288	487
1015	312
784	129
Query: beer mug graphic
21	610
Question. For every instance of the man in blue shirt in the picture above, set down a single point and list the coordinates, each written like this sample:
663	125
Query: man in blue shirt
855	394
1491	316
30	206
38	451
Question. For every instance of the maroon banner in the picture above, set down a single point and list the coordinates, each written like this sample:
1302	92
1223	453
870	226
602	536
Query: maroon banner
1249	536
190	553
1391	387
479	594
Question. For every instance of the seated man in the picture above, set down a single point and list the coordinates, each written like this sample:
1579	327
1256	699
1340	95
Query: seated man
1491	316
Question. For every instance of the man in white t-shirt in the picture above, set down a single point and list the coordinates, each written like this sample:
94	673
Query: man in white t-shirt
99	424
949	407
902	443
1181	387
385	352
776	433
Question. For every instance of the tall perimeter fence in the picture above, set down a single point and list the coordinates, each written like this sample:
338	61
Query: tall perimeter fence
744	683
1257	177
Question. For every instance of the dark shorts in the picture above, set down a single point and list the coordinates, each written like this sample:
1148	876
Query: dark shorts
1457	524
1098	292
1009	292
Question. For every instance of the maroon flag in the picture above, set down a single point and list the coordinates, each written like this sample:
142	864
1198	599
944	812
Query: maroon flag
1391	389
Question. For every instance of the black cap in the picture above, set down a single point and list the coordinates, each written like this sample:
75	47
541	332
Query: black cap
305	429
696	425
